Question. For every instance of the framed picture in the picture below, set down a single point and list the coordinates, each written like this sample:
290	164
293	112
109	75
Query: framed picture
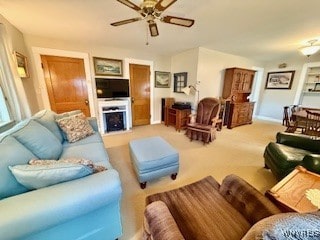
180	81
107	67
279	80
22	65
162	79
317	87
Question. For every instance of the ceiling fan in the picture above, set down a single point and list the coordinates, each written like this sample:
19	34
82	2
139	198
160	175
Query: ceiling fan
150	10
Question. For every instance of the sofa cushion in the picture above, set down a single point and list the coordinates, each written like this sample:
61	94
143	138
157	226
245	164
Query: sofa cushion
39	176
47	119
12	153
286	226
93	151
94	138
39	140
75	127
286	156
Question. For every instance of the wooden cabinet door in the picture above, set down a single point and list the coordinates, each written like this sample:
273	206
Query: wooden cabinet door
247	78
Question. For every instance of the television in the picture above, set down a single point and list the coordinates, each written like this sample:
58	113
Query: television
112	87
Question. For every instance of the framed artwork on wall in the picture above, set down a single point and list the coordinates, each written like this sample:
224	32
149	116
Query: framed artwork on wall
279	80
162	79
107	67
180	81
22	65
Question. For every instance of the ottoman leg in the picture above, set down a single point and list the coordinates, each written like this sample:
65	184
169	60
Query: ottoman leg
143	185
174	176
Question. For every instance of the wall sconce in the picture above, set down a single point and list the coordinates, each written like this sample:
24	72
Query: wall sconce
310	50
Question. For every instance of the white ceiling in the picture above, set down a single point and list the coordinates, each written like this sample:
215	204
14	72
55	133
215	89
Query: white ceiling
257	29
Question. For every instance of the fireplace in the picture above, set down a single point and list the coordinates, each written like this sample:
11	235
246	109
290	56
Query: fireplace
114	121
114	116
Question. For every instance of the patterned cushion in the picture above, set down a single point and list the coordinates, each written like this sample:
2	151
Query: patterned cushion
76	127
286	226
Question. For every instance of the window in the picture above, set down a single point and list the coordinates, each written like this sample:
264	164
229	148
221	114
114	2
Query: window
180	81
4	111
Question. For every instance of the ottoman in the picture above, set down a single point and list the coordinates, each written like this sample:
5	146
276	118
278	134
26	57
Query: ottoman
153	158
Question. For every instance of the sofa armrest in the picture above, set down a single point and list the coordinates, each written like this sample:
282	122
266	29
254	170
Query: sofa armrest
299	141
251	203
312	162
159	223
93	122
44	208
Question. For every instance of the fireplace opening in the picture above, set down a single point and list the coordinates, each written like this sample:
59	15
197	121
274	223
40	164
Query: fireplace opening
114	121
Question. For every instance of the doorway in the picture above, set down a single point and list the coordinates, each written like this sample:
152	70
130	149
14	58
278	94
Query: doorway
140	94
66	84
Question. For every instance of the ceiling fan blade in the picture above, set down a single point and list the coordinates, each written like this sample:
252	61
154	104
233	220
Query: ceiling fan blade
185	22
131	20
164	4
130	4
153	29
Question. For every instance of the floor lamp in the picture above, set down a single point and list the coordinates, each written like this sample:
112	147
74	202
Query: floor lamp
188	90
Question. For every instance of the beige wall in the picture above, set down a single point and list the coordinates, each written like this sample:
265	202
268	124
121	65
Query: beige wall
18	44
185	62
273	100
160	63
211	68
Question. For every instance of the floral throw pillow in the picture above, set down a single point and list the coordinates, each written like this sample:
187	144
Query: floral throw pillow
76	127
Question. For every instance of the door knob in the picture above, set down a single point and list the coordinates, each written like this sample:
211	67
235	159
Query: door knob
86	102
132	100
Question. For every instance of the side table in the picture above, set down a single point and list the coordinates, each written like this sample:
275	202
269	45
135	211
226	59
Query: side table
177	117
289	193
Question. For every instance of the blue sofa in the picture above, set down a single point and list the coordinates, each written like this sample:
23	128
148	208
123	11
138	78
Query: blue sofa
85	208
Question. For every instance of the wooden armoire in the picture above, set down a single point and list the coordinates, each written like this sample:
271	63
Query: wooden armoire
236	90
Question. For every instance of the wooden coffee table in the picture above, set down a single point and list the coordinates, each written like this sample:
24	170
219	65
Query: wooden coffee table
289	193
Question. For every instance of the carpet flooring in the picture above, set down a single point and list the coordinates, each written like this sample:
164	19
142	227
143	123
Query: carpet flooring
238	151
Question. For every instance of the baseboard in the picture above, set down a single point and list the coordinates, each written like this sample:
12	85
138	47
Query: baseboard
268	119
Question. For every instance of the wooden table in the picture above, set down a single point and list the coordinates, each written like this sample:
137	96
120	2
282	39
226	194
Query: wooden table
302	114
177	117
289	193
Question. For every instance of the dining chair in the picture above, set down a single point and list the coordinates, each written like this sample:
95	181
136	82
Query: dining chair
290	120
204	128
287	120
312	124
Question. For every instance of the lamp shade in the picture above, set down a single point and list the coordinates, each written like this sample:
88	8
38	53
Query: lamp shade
309	50
186	90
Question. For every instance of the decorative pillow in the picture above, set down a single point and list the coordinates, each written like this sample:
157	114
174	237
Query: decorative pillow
88	163
286	226
76	127
39	176
39	140
12	153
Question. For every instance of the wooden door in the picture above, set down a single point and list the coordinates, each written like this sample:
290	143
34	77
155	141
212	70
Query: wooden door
140	94
66	84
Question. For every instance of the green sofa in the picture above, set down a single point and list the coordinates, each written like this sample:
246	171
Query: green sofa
291	150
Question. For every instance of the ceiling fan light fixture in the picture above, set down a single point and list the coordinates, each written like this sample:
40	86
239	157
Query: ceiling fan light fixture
310	50
153	29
